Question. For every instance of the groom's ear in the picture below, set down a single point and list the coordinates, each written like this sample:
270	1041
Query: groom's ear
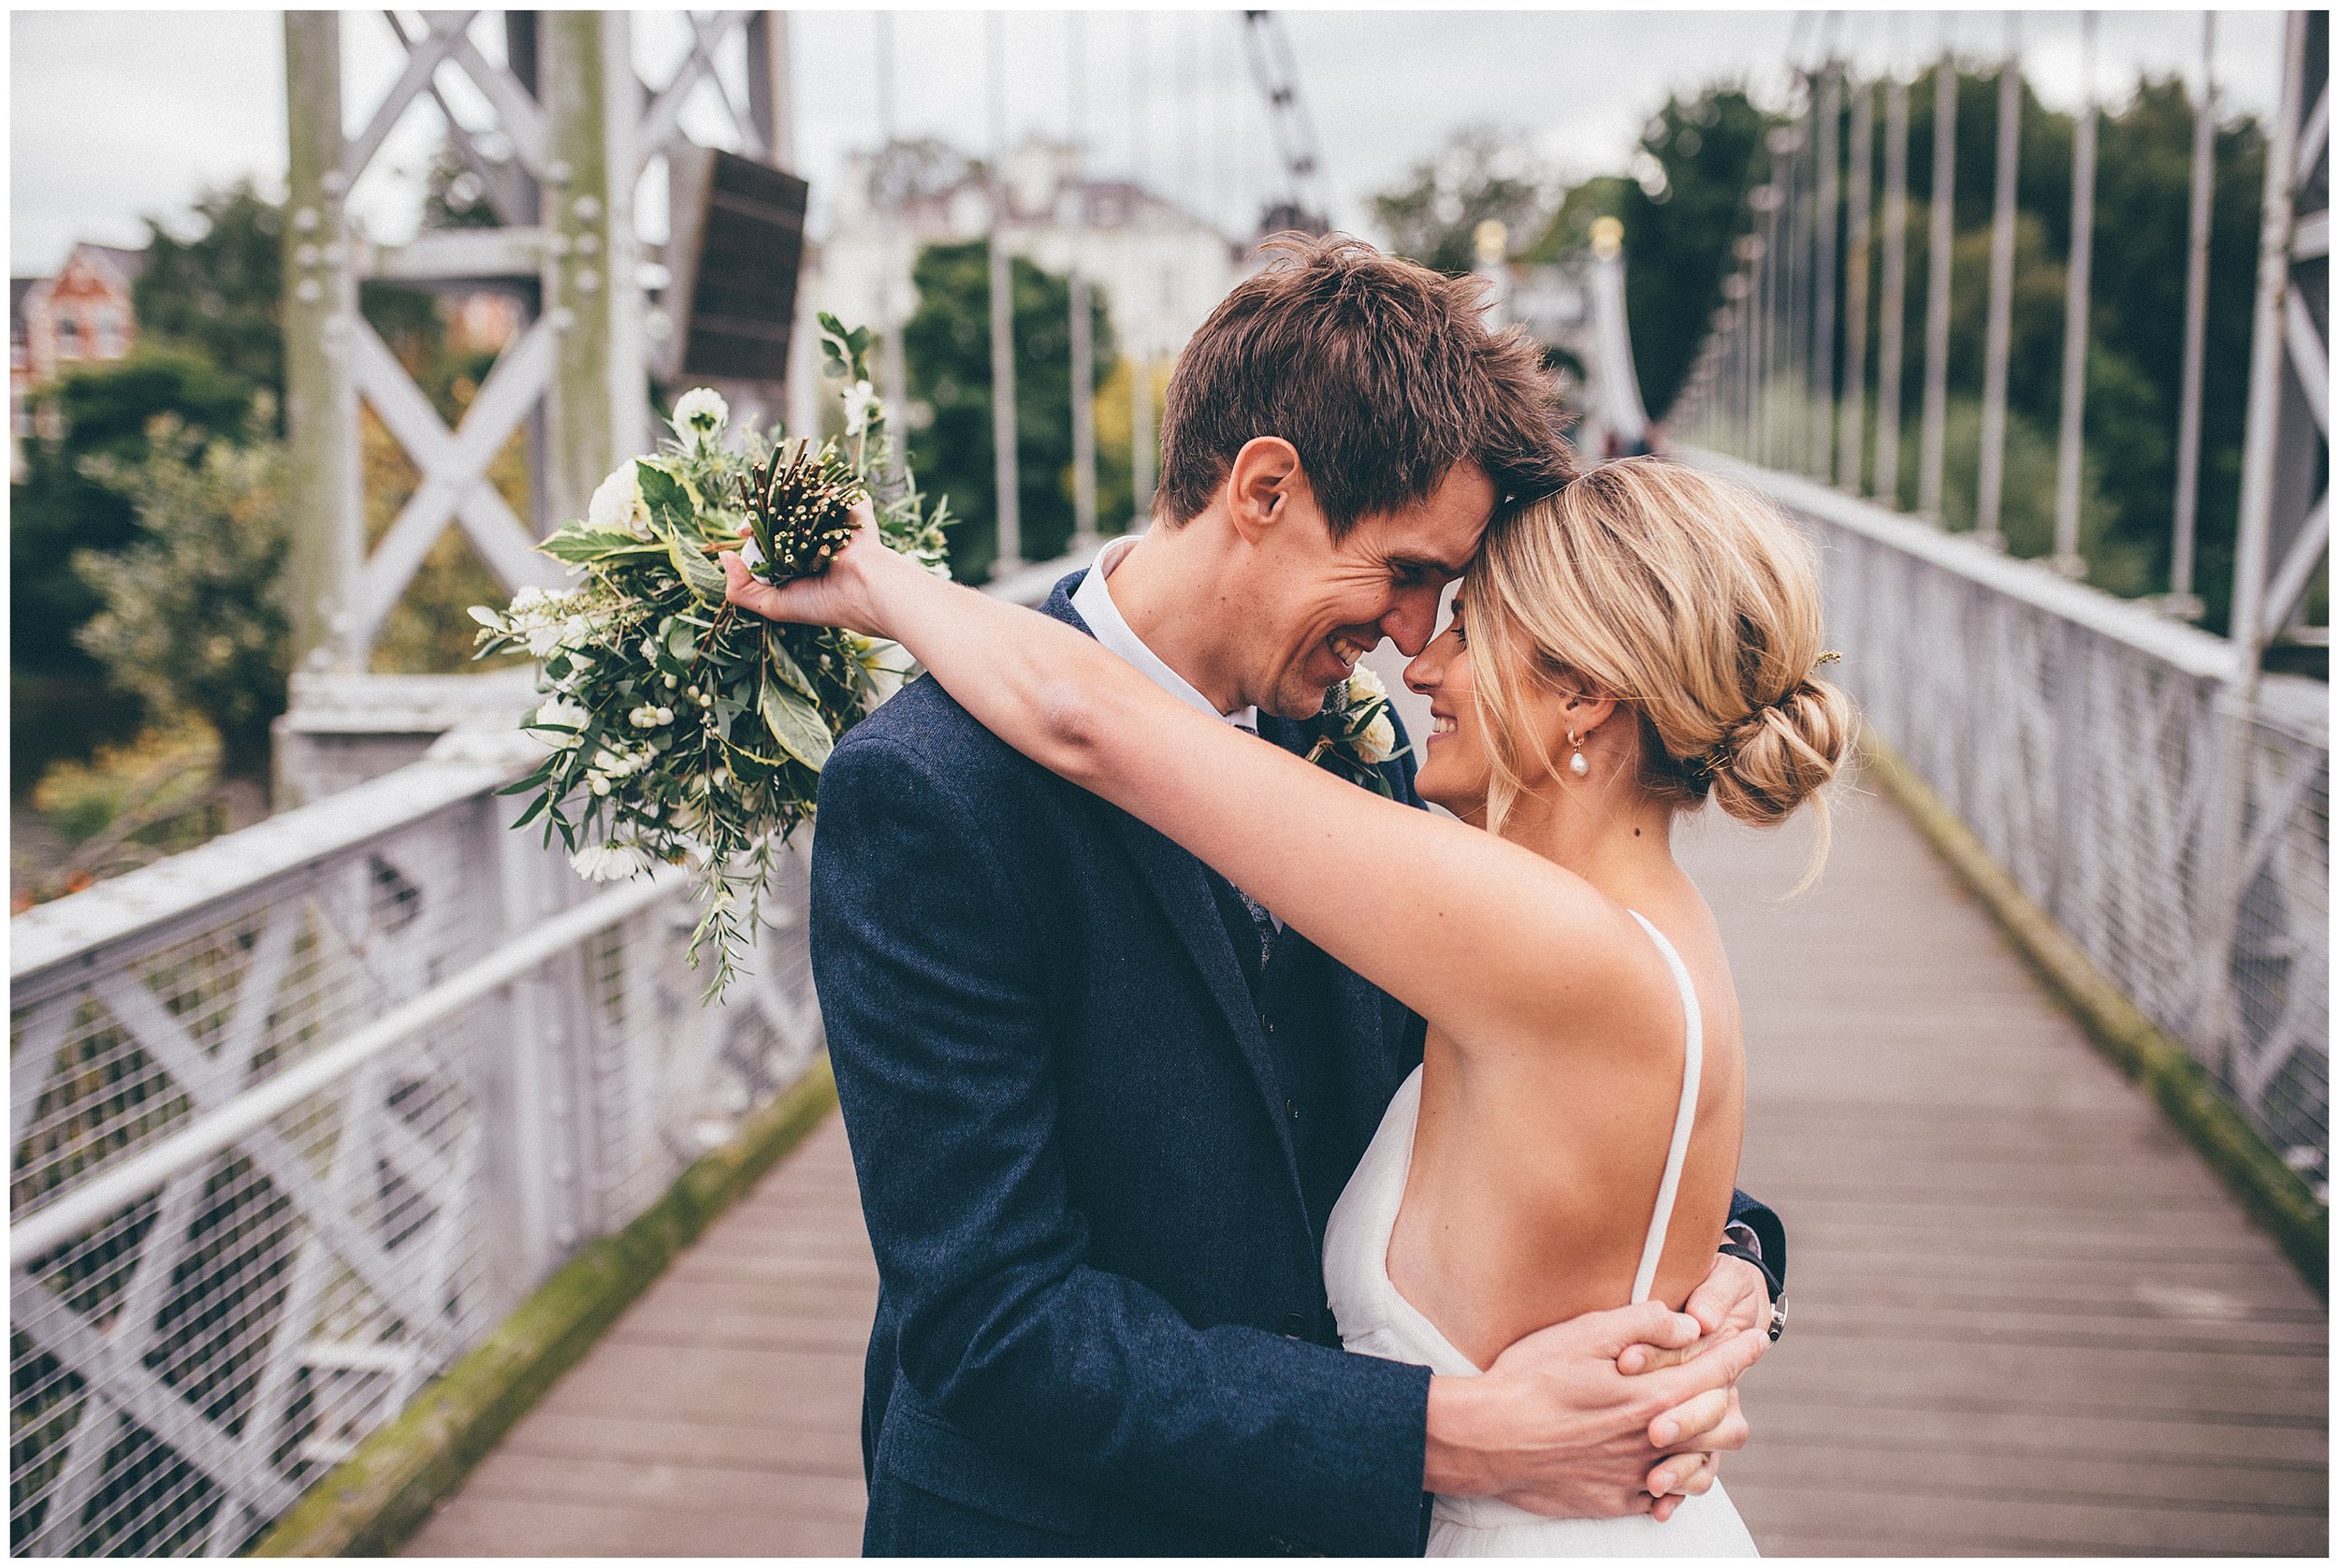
1263	485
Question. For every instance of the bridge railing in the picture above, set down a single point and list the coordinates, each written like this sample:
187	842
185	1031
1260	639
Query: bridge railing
2095	749
298	1116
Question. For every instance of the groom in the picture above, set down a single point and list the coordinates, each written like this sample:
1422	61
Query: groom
1100	1103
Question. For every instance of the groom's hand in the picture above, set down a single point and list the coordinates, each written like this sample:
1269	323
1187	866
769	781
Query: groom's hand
1733	1298
1555	1426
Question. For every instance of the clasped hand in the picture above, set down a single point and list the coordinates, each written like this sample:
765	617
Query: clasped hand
1611	1413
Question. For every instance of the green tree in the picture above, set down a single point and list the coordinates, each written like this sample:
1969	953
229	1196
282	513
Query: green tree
947	342
220	294
192	615
59	703
1479	176
1697	160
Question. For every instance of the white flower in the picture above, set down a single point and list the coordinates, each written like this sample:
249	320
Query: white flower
542	640
610	863
1377	742
562	711
617	503
1365	687
699	414
487	618
861	405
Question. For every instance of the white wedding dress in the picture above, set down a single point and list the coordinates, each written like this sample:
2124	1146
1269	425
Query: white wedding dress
1375	1320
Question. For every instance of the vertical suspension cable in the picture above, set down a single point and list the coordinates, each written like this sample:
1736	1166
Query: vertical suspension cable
1141	348
1894	311
1794	417
1932	450
2182	601
1850	446
2069	449
895	267
1828	156
1007	488
1989	487
1082	323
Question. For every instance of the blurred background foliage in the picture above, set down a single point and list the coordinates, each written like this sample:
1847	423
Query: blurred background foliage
1683	205
947	343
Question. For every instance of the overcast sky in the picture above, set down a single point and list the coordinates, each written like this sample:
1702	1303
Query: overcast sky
117	114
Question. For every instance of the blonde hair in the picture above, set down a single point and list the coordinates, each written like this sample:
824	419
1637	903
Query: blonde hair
1688	598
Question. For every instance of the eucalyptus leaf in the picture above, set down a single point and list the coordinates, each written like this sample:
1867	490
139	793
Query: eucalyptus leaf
796	725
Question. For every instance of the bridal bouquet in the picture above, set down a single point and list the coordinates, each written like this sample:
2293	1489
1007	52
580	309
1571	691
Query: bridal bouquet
681	730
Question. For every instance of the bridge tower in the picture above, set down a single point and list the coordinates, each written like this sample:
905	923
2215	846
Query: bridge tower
571	131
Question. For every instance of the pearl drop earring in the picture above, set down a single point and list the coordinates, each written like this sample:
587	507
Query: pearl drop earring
1577	764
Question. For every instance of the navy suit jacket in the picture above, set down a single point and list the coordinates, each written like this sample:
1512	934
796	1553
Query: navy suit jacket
1101	1322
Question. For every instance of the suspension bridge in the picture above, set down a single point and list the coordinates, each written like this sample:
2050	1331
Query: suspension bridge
379	1185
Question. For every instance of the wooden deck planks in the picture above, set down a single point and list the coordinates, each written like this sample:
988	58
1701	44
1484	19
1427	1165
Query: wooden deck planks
2028	1320
720	1418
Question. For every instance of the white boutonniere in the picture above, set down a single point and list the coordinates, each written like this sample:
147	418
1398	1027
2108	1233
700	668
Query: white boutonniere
1354	732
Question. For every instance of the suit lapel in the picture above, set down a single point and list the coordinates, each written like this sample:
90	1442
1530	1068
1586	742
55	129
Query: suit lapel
1177	882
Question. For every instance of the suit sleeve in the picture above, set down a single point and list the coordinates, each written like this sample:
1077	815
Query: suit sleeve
1767	1227
932	971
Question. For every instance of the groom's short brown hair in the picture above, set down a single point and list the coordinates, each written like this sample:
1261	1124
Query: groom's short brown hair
1381	373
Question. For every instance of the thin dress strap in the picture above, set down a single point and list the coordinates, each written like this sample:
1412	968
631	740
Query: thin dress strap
1692	1068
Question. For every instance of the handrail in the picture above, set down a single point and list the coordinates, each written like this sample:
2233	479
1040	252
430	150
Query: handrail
35	1233
2188	648
459	766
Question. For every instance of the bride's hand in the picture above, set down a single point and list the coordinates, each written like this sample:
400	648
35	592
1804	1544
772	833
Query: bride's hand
843	595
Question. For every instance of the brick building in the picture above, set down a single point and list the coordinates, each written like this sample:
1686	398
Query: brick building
82	314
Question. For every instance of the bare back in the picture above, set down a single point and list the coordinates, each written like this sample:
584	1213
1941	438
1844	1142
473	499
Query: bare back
1536	1162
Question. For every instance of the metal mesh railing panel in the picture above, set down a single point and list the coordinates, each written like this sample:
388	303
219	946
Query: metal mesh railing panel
2184	846
182	1369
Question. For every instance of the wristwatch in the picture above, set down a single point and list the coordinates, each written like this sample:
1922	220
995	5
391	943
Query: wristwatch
1744	1243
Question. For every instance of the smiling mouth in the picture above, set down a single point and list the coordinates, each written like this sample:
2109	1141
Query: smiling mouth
1441	726
1347	650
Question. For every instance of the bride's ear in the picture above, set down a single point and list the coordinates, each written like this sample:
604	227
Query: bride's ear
1264	484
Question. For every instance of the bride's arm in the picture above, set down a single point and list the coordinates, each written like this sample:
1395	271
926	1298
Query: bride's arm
1491	931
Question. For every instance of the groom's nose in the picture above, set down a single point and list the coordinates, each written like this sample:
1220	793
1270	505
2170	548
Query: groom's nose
1413	620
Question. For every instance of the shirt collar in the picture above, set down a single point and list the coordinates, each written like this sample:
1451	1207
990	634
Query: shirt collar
1093	601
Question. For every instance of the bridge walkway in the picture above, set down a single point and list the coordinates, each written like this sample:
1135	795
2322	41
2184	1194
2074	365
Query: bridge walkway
2028	1320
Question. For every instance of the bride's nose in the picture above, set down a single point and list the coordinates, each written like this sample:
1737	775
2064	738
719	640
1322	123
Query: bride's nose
1423	670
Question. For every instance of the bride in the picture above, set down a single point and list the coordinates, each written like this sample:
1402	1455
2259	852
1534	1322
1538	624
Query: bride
1644	640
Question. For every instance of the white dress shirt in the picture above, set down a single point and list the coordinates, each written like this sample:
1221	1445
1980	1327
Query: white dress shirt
1092	602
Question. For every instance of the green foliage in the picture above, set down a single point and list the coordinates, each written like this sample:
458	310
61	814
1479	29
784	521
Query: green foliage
192	617
60	703
1678	228
220	296
1478	177
947	343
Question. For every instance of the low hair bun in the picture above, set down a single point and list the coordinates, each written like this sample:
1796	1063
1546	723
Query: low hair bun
1783	752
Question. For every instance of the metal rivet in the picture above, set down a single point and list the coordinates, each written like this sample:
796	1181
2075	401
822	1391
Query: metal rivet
587	280
308	291
557	244
558	171
305	219
336	252
334	182
587	208
586	244
306	255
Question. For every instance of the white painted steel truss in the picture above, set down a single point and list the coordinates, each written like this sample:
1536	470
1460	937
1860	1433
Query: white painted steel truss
188	1361
512	156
